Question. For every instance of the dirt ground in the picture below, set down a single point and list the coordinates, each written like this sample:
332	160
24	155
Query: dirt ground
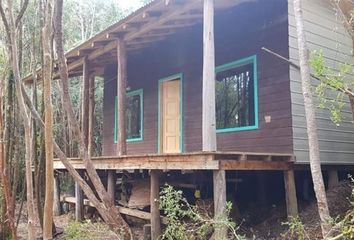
339	204
271	228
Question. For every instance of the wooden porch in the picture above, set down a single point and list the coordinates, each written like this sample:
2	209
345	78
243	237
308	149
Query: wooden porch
189	161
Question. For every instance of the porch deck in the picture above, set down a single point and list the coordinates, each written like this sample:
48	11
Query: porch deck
189	161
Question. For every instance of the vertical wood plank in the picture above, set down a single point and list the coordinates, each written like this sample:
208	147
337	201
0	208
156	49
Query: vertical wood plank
333	179
57	207
121	93
208	125
290	193
154	201
219	179
111	184
79	204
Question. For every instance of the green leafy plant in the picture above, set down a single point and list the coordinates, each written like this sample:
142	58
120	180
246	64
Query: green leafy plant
186	222
89	230
296	229
345	227
334	85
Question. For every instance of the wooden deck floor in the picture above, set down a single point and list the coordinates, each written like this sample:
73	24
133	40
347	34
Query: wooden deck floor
189	161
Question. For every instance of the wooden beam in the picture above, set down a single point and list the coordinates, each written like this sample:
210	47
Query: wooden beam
133	25
174	26
123	210
128	36
145	41
84	52
333	179
290	193
163	34
154	205
100	43
219	179
116	34
164	18
254	165
189	17
162	162
208	118
121	93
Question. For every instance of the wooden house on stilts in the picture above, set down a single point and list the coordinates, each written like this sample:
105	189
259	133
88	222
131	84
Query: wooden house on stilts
187	87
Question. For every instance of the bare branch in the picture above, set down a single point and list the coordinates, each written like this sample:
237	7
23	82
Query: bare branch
346	91
4	20
22	12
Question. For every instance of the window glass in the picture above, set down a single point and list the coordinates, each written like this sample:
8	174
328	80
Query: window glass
133	117
235	97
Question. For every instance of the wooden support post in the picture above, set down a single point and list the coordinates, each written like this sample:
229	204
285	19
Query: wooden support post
154	201
121	93
90	144
79	204
208	118
208	124
219	179
57	207
79	207
333	179
290	193
85	100
111	184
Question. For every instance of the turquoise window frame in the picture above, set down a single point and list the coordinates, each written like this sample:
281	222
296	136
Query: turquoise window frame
251	59
170	78
138	92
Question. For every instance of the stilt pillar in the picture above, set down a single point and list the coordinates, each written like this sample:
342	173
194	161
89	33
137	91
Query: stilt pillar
333	179
154	201
57	207
79	203
111	184
290	193
219	179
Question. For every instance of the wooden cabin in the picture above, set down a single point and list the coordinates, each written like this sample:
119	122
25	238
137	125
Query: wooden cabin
173	86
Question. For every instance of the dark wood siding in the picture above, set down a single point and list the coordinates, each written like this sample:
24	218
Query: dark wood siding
240	32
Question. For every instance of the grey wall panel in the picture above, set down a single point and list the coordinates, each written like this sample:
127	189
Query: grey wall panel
323	31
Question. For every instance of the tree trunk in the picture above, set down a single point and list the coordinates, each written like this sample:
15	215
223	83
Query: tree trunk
8	202
314	152
48	132
10	214
12	25
107	209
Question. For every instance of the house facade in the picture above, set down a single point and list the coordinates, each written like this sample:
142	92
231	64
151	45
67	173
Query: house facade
259	106
159	83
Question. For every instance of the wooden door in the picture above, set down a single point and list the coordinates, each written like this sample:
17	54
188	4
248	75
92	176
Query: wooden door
170	117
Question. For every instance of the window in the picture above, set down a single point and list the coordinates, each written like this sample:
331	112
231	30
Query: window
236	96
133	117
